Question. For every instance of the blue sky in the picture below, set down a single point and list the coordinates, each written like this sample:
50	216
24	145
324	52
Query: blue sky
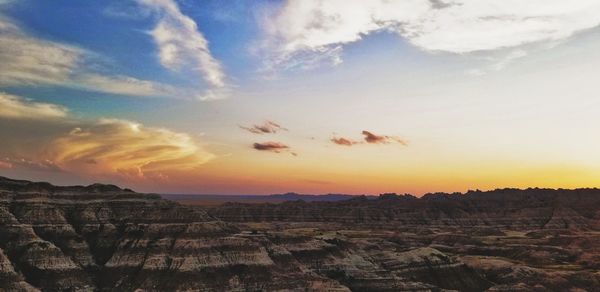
276	96
116	34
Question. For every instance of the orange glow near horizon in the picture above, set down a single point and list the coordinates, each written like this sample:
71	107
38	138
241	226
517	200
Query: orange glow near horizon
259	175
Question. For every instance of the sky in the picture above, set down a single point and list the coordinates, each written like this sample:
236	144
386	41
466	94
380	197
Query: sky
308	96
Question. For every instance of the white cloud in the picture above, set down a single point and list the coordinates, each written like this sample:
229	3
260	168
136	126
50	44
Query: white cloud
15	107
301	31
126	85
180	43
29	61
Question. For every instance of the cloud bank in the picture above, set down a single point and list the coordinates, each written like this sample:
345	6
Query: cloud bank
313	31
48	139
126	149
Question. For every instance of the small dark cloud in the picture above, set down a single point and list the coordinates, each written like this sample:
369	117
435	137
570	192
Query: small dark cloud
369	138
271	146
374	139
275	147
268	127
382	139
343	141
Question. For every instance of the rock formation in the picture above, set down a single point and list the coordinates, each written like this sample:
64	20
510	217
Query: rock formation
505	208
104	238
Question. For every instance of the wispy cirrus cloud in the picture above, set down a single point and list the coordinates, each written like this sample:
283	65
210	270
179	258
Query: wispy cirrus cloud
15	107
268	127
126	85
25	60
182	46
29	61
305	33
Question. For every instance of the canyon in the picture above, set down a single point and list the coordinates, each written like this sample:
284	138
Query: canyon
105	238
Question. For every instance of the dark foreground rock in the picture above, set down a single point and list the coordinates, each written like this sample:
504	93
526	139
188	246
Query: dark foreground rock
104	238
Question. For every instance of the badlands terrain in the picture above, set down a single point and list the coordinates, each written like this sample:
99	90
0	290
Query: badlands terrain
104	238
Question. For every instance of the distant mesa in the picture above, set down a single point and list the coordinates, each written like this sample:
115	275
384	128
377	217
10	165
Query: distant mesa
275	198
8	184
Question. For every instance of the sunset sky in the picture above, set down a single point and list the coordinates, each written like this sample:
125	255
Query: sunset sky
309	96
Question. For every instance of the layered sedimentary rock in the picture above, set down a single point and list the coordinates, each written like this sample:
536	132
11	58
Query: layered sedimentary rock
506	208
104	238
503	240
